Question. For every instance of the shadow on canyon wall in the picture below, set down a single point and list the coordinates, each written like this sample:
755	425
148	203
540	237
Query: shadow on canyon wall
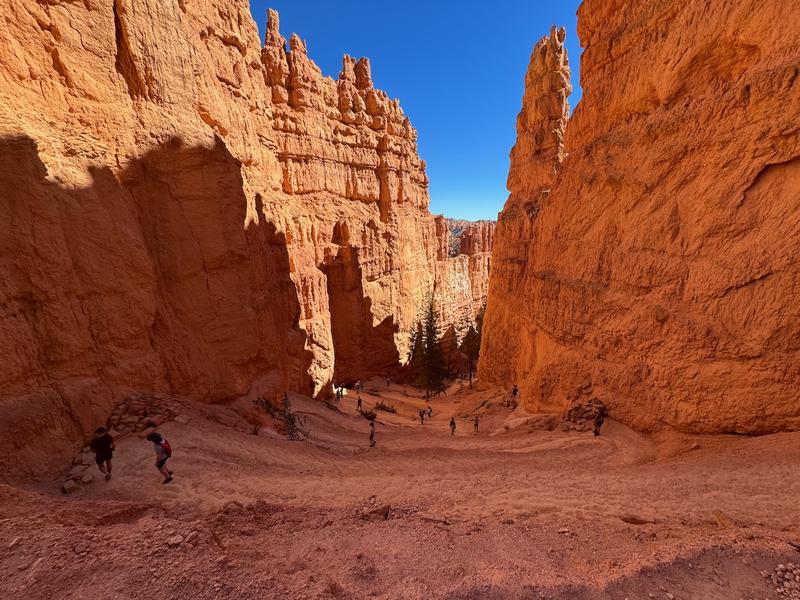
362	349
144	280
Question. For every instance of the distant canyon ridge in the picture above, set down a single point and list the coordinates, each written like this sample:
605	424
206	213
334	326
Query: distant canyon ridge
191	210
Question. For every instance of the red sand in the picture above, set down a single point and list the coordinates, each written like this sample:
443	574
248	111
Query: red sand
506	513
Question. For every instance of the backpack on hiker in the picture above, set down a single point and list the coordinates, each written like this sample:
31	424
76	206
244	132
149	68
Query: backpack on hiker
165	445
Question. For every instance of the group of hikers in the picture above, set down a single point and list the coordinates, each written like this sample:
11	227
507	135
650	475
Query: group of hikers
103	443
599	418
103	447
423	413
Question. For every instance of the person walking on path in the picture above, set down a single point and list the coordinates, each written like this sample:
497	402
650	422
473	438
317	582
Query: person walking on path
163	454
452	425
103	447
599	419
430	412
422	417
372	434
476	424
388	383
358	404
515	391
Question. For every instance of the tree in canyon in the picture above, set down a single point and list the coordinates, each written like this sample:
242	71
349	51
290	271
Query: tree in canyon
428	365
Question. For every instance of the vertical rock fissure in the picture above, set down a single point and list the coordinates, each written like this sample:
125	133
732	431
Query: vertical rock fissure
124	62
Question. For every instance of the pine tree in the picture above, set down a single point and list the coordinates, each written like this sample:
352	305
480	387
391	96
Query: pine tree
435	367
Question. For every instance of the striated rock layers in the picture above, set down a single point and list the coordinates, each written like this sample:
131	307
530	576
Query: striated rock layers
652	256
462	280
188	211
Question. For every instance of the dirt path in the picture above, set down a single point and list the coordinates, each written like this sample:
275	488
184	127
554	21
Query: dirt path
500	514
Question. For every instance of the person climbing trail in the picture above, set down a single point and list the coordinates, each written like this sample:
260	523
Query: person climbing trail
430	412
599	419
515	392
422	417
103	447
163	454
358	404
372	434
452	425
476	423
388	383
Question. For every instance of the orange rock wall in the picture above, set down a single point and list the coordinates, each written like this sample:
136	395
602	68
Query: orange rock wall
190	211
655	253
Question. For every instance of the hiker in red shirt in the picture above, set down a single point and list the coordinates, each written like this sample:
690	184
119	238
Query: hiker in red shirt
163	454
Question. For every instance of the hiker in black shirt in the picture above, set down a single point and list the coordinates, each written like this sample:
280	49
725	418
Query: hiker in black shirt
103	447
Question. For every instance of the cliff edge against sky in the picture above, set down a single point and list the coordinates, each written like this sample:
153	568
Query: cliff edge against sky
649	252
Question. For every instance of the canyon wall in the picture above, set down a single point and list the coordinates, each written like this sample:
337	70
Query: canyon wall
649	253
187	210
462	279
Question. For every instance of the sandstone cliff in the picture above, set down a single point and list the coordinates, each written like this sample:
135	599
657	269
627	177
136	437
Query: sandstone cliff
652	256
187	210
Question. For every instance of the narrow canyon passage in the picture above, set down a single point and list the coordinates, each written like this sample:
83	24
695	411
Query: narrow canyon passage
562	512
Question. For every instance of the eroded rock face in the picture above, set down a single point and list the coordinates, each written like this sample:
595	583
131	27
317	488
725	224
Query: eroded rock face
663	264
189	211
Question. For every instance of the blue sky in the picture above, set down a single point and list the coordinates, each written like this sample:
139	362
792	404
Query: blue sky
458	69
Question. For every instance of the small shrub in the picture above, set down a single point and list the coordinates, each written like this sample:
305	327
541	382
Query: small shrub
295	425
369	415
385	407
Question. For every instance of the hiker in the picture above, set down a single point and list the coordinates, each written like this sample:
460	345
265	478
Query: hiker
372	434
358	404
163	454
515	391
452	425
476	423
599	419
388	383
358	386
103	447
422	417
430	412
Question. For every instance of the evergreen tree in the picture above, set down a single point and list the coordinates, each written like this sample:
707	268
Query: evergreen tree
433	370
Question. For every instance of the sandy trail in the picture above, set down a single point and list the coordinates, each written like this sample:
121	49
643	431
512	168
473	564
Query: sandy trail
500	514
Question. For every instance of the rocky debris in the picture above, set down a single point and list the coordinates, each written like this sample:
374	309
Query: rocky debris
606	268
69	486
175	540
635	520
77	472
786	579
142	411
723	521
580	416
